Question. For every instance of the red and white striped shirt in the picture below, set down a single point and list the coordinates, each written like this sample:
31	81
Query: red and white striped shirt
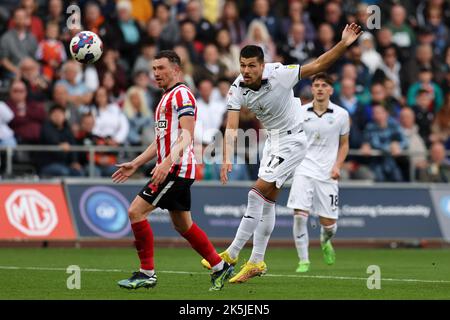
176	102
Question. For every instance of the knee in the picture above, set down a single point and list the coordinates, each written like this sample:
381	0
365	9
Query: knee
135	215
181	227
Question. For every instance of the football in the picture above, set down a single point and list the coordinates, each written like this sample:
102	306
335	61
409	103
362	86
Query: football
86	47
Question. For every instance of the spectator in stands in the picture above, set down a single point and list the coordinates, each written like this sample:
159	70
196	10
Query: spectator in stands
37	85
140	117
416	145
297	50
228	53
60	97
297	15
324	40
369	56
170	30
188	40
125	32
103	161
349	100
28	115
390	69
115	93
402	34
356	167
205	31
439	168
153	32
16	44
51	52
145	59
55	14
349	71
230	21
261	13
335	18
441	33
210	113
424	117
6	134
384	134
56	131
258	35
141	11
379	96
110	121
212	68
79	94
422	59
93	20
223	87
153	94
441	125
35	25
425	82
187	66
111	62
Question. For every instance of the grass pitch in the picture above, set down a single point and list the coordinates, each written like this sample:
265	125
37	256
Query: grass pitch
405	274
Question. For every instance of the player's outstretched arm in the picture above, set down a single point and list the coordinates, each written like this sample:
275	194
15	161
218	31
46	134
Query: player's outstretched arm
127	169
322	63
228	144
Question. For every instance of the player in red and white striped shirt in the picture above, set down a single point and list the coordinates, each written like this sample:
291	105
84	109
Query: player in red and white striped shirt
172	177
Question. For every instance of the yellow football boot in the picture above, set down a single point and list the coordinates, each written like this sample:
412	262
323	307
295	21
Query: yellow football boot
248	271
225	257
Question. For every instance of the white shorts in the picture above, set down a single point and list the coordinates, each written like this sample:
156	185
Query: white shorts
314	196
281	155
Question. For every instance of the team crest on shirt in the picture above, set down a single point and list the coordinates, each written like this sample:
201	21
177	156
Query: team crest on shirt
268	87
330	119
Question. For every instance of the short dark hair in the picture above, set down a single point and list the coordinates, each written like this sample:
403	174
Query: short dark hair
252	51
170	55
324	77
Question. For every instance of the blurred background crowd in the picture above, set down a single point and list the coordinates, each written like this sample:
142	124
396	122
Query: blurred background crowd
394	82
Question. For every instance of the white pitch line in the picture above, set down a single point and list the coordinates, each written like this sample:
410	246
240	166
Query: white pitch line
196	272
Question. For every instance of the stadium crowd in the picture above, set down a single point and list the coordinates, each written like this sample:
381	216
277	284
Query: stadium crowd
395	82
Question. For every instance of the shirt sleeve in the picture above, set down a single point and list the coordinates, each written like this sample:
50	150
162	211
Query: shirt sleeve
288	75
185	103
234	101
345	126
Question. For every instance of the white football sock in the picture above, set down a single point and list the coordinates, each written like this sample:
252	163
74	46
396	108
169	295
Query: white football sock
147	272
263	232
217	267
248	223
327	232
301	238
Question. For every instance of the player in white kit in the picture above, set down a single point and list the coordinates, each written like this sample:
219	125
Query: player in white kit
266	89
314	189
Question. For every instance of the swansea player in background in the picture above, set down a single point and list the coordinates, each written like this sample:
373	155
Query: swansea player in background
169	187
315	186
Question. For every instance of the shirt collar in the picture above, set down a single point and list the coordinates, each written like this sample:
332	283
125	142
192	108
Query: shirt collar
263	82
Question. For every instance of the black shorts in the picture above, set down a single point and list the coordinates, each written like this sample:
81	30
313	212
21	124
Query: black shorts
173	194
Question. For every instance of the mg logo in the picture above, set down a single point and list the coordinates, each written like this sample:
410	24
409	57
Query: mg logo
31	212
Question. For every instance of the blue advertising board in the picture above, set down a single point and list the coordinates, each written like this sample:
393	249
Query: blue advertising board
365	212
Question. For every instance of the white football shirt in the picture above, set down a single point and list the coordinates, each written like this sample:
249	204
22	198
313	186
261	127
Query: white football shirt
323	134
274	103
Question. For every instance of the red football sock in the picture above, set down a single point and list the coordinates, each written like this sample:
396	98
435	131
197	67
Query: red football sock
144	243
200	242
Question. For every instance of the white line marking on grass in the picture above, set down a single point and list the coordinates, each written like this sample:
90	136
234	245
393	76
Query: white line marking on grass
196	272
